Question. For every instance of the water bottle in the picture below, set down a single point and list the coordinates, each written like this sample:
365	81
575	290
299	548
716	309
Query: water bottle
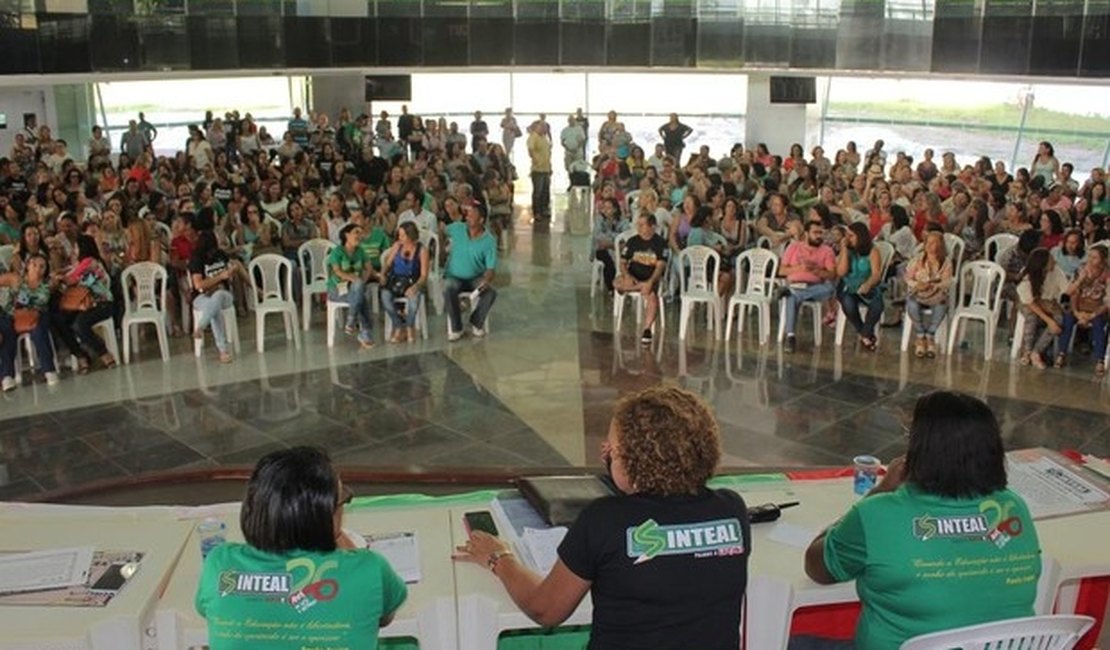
211	532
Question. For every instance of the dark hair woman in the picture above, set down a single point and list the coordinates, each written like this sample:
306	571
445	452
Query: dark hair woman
27	312
859	267
662	447
945	504
87	303
291	519
1039	290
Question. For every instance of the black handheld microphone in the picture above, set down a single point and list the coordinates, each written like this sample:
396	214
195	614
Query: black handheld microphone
768	512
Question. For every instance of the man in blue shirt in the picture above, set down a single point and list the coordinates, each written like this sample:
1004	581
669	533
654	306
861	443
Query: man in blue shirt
298	128
471	260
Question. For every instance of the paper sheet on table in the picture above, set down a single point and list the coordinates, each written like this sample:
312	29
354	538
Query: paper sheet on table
403	552
791	534
1050	488
43	570
542	547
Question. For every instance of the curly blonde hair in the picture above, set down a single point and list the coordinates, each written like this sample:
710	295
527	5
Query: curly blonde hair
667	440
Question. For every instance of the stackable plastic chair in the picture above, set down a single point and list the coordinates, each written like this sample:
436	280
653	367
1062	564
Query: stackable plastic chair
755	290
147	306
313	255
997	245
699	281
1031	633
274	296
980	287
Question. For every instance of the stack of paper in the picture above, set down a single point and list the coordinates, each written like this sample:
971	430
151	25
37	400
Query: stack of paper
41	570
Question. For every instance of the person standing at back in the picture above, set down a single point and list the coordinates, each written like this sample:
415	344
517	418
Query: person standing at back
479	131
539	150
674	134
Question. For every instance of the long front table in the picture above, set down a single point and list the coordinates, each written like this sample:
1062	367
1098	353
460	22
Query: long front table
457	605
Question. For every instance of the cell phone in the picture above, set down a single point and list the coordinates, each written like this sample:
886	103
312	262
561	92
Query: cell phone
482	521
111	580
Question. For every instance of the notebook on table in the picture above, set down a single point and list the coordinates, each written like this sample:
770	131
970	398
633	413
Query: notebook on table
560	499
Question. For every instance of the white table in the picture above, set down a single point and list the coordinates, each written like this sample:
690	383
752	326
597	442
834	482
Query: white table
125	623
428	614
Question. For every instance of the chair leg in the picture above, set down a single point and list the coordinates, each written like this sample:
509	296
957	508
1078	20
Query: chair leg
259	326
127	338
953	331
907	331
331	327
841	322
728	320
163	341
306	313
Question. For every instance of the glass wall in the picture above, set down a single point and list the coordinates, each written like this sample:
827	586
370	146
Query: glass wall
1060	38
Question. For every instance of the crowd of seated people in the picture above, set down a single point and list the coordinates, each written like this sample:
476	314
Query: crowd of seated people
754	198
70	226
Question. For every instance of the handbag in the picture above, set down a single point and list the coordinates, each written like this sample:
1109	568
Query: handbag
399	284
76	299
25	320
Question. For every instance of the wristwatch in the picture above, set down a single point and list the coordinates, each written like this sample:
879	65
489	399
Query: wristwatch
494	558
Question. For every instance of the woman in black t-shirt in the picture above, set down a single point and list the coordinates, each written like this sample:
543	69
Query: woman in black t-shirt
211	271
666	562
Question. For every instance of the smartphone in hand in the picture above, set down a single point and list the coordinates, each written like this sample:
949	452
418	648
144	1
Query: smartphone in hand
481	520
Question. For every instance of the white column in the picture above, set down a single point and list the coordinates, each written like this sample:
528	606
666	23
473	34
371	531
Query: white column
777	125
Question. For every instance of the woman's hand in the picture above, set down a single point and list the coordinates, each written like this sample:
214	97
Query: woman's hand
412	292
895	475
479	548
1054	327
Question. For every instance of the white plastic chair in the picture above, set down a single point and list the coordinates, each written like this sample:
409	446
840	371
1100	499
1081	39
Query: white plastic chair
597	273
981	285
756	290
107	332
334	308
276	273
699	285
430	240
147	306
632	202
7	252
231	325
313	255
886	254
1057	632
997	245
467	310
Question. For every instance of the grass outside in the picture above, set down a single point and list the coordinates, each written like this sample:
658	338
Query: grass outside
996	115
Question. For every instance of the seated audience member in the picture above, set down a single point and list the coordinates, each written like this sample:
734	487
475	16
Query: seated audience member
211	272
1070	254
809	267
928	282
405	268
26	310
859	267
605	234
641	268
1039	292
945	503
348	273
1090	302
471	262
73	323
1052	229
899	233
292	518
662	447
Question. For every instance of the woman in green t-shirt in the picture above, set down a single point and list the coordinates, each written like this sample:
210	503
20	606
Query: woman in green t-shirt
348	272
940	509
297	572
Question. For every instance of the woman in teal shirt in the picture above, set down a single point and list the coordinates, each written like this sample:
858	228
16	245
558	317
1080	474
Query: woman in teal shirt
298	573
910	542
27	291
348	272
859	267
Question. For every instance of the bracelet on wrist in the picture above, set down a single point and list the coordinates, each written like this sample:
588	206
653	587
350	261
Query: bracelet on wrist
494	558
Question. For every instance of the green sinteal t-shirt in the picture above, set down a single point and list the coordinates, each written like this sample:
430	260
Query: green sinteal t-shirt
323	601
374	244
352	263
924	563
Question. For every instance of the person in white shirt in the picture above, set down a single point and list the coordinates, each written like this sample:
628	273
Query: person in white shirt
658	158
573	139
1038	292
412	209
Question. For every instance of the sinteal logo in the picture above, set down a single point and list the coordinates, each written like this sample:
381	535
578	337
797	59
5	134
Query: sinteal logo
650	540
959	526
254	584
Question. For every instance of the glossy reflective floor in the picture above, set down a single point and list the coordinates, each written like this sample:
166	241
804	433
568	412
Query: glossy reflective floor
537	392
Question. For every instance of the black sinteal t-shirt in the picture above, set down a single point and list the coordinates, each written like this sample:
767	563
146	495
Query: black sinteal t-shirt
642	255
668	573
213	265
